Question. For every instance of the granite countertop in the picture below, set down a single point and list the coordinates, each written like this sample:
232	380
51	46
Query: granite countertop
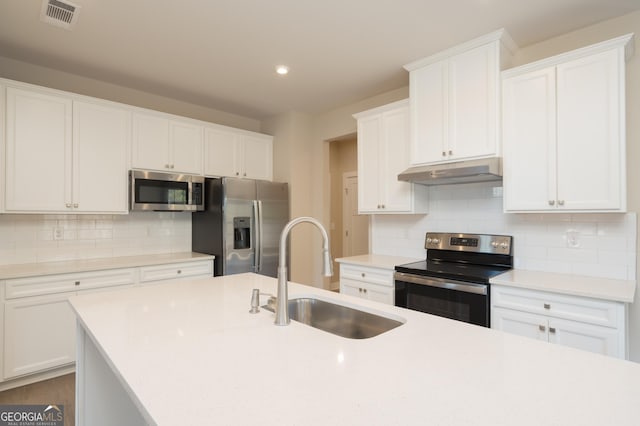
574	285
377	260
48	268
190	353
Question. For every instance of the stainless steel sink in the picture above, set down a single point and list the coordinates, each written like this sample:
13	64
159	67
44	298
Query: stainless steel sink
337	319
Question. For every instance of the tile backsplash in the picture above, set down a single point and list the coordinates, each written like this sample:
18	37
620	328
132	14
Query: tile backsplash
46	238
600	245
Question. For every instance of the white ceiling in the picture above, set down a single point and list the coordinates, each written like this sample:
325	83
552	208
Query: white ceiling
222	53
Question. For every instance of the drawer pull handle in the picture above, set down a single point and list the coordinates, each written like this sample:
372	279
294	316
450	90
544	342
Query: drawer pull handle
362	274
552	330
77	283
179	271
542	328
547	306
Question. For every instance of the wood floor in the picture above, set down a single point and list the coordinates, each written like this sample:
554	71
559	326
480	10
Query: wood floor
57	391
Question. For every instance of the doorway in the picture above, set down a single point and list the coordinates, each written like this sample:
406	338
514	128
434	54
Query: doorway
343	161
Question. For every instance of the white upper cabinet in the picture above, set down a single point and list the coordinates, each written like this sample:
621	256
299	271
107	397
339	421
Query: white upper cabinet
383	153
65	155
101	142
238	153
564	132
455	99
166	144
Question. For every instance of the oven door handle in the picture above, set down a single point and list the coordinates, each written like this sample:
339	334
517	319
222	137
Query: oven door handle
439	282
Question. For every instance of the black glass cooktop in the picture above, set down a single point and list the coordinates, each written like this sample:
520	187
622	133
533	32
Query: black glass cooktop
453	270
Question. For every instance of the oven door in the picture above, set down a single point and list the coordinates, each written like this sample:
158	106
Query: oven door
458	300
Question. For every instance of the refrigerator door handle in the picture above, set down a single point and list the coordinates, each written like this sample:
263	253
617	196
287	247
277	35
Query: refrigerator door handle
260	239
256	236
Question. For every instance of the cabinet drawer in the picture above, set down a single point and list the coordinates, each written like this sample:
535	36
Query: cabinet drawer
49	284
176	270
592	311
367	274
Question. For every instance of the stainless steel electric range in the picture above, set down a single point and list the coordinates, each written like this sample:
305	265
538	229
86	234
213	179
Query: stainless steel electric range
453	280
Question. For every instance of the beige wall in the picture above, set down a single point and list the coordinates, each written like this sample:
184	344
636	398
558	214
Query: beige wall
596	33
48	77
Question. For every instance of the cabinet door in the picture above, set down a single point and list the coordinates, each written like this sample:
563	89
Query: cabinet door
379	293
221	153
369	162
520	323
394	155
591	165
39	334
352	288
150	142
592	338
257	157
101	141
38	162
186	147
529	138
428	97
472	102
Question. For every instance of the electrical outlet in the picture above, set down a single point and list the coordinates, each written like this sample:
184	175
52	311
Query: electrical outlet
58	233
573	238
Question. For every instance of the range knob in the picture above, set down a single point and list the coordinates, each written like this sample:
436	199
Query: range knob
436	241
494	244
504	245
429	240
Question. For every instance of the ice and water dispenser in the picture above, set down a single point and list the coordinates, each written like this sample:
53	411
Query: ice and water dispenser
241	232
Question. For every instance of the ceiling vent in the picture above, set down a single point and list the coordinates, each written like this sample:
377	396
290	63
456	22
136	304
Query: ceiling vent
60	13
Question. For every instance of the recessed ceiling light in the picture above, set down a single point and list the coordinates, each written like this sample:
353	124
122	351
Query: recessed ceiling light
282	69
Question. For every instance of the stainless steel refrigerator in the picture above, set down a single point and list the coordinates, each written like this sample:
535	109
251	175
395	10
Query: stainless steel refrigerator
241	225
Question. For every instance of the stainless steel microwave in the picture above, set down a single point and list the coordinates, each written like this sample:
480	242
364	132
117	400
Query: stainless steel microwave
157	191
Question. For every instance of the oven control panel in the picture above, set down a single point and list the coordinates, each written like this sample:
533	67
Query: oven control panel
481	243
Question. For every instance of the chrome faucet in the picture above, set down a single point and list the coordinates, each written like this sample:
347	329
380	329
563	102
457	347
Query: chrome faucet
282	298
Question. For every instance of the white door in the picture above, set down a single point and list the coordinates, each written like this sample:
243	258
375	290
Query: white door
38	161
529	141
39	333
355	226
101	135
369	162
186	147
258	157
394	159
150	142
221	153
589	158
592	338
520	323
472	107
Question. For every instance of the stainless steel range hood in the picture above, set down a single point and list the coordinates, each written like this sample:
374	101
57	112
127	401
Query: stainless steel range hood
483	170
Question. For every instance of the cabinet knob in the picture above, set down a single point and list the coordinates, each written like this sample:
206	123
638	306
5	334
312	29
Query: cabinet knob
383	206
68	205
450	152
362	274
364	290
444	154
561	202
551	202
244	174
237	173
77	283
552	330
359	290
75	205
166	166
547	306
179	271
172	166
542	328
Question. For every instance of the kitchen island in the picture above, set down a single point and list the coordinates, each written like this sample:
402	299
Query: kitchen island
191	353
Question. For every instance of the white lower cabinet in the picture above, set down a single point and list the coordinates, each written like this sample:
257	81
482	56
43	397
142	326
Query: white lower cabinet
368	283
39	325
579	322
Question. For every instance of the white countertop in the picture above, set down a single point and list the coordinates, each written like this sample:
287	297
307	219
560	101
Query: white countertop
575	285
190	353
47	268
377	260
